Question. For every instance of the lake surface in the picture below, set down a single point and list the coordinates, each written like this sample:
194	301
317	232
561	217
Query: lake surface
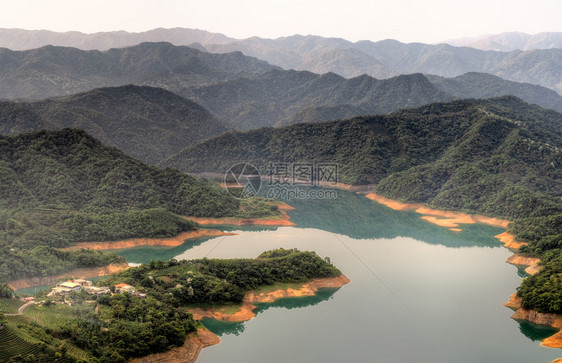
418	292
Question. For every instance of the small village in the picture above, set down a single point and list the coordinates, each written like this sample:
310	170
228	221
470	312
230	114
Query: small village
66	288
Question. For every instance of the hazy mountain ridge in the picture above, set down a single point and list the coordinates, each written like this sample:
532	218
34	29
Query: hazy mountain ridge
266	99
147	123
57	71
241	91
381	59
510	41
391	57
482	85
19	39
285	97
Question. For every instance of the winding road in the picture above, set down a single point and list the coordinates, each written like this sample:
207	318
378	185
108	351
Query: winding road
21	309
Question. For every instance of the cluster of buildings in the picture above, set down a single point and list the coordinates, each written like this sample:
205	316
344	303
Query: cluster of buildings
78	285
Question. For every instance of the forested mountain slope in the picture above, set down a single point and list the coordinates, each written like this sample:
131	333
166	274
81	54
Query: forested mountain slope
499	157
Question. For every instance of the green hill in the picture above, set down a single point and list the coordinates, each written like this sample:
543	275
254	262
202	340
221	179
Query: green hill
499	157
64	186
69	168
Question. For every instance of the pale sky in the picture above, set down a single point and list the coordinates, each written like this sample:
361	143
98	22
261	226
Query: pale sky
405	20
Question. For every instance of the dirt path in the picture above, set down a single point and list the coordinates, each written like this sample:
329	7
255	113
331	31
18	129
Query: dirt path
22	308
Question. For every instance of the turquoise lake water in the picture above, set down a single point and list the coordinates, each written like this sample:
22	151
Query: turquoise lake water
419	292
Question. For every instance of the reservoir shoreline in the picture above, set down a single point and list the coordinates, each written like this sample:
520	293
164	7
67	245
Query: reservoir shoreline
246	311
195	342
175	241
277	221
452	220
136	242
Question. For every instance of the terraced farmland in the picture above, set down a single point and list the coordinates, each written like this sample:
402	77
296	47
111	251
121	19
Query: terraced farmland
76	352
13	343
52	317
10	306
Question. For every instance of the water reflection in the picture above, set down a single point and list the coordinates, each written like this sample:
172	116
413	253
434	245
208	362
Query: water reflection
143	254
536	332
221	328
354	215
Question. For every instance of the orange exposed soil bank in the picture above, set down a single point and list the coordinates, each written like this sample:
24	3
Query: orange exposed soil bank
82	273
365	188
283	220
246	311
509	241
187	353
553	320
393	204
308	289
441	218
135	242
532	262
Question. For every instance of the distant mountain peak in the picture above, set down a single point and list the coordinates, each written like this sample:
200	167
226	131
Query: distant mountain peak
511	41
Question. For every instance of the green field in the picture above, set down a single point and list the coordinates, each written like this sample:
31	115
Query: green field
53	316
10	306
18	344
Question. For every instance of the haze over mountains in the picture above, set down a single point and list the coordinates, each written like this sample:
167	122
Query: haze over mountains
381	59
57	71
240	91
147	123
510	41
20	39
267	99
390	57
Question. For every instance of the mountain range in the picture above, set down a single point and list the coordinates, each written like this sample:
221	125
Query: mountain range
20	39
242	92
266	99
152	124
381	59
57	71
388	58
280	98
